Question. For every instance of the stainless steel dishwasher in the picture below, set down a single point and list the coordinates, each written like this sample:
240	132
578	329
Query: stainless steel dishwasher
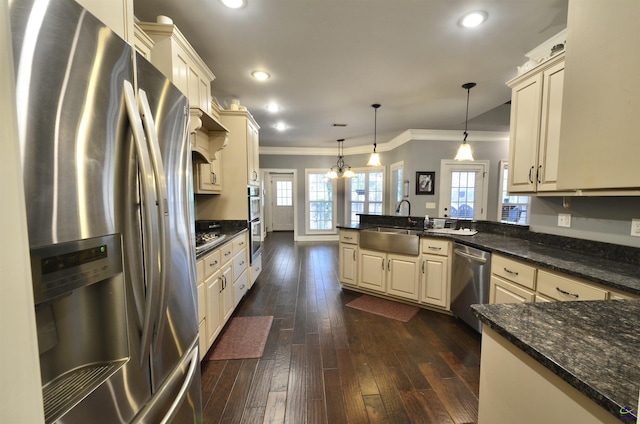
471	270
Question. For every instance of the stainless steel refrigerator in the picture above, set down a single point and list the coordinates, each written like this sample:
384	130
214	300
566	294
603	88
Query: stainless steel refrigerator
106	165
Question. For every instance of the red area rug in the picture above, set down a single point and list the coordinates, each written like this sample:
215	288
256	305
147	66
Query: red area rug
386	308
244	337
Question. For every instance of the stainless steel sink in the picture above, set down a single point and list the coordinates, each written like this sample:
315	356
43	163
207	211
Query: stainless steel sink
392	240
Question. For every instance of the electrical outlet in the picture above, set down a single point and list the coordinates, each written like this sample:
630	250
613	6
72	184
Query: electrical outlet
564	220
635	227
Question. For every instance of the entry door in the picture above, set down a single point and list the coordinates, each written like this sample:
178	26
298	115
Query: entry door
463	189
282	202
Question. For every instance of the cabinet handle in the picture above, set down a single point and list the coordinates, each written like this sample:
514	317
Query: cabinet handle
531	174
348	238
241	263
423	262
227	254
538	174
214	263
221	284
354	255
241	243
567	293
383	264
388	264
508	271
435	248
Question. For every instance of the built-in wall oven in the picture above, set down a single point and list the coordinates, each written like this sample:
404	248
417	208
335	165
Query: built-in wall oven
255	223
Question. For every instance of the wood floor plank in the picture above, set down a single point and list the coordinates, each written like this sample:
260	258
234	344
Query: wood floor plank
220	395
296	391
333	395
237	401
376	411
350	387
315	382
260	384
275	409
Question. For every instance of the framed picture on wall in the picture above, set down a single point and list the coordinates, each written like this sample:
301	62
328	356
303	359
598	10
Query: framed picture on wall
425	182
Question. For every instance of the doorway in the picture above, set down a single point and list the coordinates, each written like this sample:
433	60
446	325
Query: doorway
279	200
463	189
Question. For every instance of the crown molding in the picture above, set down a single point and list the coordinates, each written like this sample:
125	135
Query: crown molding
399	140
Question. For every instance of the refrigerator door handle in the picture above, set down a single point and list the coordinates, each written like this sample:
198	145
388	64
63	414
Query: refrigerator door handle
163	204
147	184
149	412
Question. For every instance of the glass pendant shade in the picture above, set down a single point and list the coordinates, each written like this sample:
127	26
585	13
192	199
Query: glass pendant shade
374	159
464	151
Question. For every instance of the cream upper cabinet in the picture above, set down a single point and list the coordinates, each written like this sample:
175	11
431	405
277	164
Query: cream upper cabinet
253	154
142	42
600	124
177	60
208	176
116	14
536	109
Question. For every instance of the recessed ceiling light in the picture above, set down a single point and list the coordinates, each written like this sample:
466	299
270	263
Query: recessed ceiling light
273	107
473	19
260	75
280	126
234	4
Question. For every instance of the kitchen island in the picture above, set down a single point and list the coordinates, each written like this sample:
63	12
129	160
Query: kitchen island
556	362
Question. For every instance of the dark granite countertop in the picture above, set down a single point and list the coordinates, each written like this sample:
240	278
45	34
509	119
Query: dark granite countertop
230	233
592	345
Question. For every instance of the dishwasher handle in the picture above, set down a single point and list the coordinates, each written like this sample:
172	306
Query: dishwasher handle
472	257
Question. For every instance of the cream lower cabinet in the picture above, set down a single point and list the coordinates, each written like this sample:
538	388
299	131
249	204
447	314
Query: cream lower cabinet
513	281
348	257
222	280
397	275
544	398
435	268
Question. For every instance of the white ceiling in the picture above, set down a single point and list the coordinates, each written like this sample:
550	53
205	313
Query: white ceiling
331	59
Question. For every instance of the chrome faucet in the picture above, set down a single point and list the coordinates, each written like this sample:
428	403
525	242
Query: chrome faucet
400	204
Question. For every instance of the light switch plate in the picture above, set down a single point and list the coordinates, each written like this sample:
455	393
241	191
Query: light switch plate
564	220
430	205
635	227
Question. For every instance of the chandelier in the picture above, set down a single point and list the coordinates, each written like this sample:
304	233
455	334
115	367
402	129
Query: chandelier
340	169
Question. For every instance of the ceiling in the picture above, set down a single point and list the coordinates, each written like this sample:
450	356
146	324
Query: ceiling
330	60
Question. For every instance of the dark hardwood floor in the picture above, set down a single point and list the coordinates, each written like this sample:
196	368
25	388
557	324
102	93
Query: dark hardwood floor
328	363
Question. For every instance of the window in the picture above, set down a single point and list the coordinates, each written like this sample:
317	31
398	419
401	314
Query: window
364	194
464	189
397	184
284	193
320	206
514	209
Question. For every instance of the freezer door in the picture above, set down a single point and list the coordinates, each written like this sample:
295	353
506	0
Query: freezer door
167	116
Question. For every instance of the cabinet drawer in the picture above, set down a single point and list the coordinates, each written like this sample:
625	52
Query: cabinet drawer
515	271
240	287
503	291
435	246
226	253
239	264
560	287
239	243
211	263
200	271
350	237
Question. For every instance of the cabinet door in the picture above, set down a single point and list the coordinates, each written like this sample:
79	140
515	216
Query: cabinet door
240	287
372	270
553	86
253	157
502	291
435	280
208	179
227	303
403	275
525	127
214	315
180	67
348	264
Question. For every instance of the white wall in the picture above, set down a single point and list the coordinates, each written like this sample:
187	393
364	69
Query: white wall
20	384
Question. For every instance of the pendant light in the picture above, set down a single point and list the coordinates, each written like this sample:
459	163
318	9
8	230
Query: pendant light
374	160
464	151
340	169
